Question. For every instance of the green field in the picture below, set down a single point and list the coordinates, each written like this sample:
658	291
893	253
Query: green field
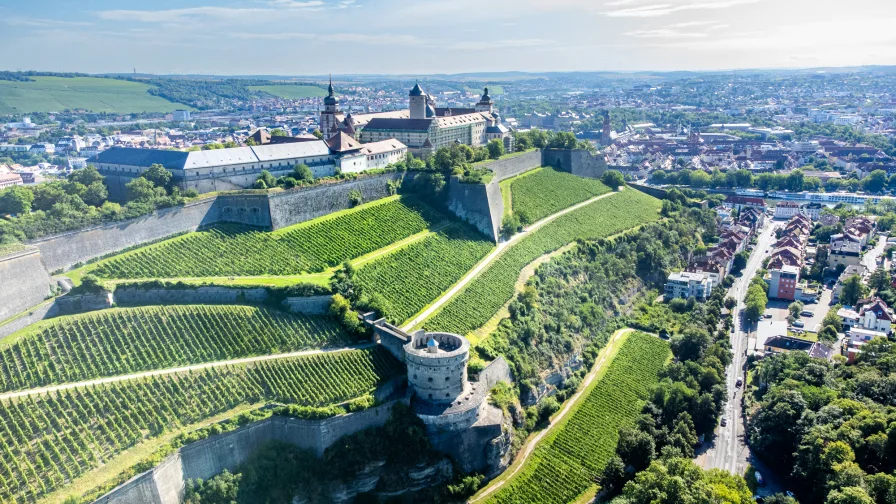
569	458
488	292
290	91
131	340
415	276
234	250
55	94
49	440
547	191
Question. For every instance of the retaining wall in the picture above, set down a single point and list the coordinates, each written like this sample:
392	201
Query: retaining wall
497	370
199	295
24	282
478	204
204	459
303	204
578	162
656	192
511	167
65	250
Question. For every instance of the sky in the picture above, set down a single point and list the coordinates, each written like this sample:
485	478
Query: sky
316	37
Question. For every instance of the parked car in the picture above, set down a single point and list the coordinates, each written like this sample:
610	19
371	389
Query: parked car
806	313
759	479
767	315
739	382
724	421
798	323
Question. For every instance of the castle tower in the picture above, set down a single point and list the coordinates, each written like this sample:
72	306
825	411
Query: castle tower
605	137
417	102
331	108
437	366
485	103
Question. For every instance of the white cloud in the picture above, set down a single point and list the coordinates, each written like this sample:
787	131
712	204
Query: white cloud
209	12
665	33
656	10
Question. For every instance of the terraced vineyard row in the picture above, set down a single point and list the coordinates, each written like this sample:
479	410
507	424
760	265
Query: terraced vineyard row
234	250
49	440
131	340
566	462
485	295
548	191
413	277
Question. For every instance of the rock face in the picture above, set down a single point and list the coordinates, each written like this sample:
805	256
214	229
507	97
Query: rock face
386	482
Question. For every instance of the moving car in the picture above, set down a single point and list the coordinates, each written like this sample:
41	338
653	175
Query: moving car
759	480
724	421
739	382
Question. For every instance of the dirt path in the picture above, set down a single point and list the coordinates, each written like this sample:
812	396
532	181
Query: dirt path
177	370
532	443
490	258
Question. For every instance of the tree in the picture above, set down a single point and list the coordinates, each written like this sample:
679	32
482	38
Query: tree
849	495
832	319
277	132
303	173
86	176
755	302
691	343
875	181
158	175
265	181
317	134
96	194
679	480
613	179
740	261
141	189
853	290
795	309
636	448
879	280
16	200
495	148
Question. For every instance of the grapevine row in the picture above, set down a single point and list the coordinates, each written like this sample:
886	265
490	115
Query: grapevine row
485	295
548	191
234	250
412	277
46	441
131	340
566	463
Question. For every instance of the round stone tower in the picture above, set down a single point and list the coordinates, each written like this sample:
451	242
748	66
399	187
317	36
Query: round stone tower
437	366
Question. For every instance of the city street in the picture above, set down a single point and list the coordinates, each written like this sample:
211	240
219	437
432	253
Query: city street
728	451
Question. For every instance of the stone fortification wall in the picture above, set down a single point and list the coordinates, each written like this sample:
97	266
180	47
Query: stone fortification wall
390	337
473	447
248	209
65	250
303	204
497	370
477	204
511	167
311	305
67	305
24	282
199	295
578	162
164	484
656	192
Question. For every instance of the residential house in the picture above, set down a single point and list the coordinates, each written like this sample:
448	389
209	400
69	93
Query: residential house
787	344
783	282
851	270
10	179
844	252
740	202
786	209
812	210
828	219
686	285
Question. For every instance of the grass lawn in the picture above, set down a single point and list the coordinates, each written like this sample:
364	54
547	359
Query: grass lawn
55	94
291	91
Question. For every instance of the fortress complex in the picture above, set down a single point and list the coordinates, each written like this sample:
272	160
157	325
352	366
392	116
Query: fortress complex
423	127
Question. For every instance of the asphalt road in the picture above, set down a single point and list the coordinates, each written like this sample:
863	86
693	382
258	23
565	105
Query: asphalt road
728	450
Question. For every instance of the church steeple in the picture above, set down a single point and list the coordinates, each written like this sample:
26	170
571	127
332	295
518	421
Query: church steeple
330	89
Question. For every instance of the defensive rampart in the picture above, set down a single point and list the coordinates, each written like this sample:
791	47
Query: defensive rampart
24	282
578	162
164	484
516	165
480	205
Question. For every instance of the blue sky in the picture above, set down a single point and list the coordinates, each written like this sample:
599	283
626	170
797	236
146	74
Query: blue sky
300	37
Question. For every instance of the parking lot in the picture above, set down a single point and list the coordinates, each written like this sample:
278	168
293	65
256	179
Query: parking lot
778	310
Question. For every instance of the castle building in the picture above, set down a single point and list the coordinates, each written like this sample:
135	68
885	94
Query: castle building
422	127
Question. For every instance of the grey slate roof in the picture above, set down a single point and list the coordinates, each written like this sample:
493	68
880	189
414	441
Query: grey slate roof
384	124
176	160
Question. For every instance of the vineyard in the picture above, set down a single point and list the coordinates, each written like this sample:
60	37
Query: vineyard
414	276
130	340
565	464
49	440
235	250
548	191
488	292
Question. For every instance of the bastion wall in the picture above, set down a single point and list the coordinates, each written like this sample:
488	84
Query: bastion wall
24	282
165	484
